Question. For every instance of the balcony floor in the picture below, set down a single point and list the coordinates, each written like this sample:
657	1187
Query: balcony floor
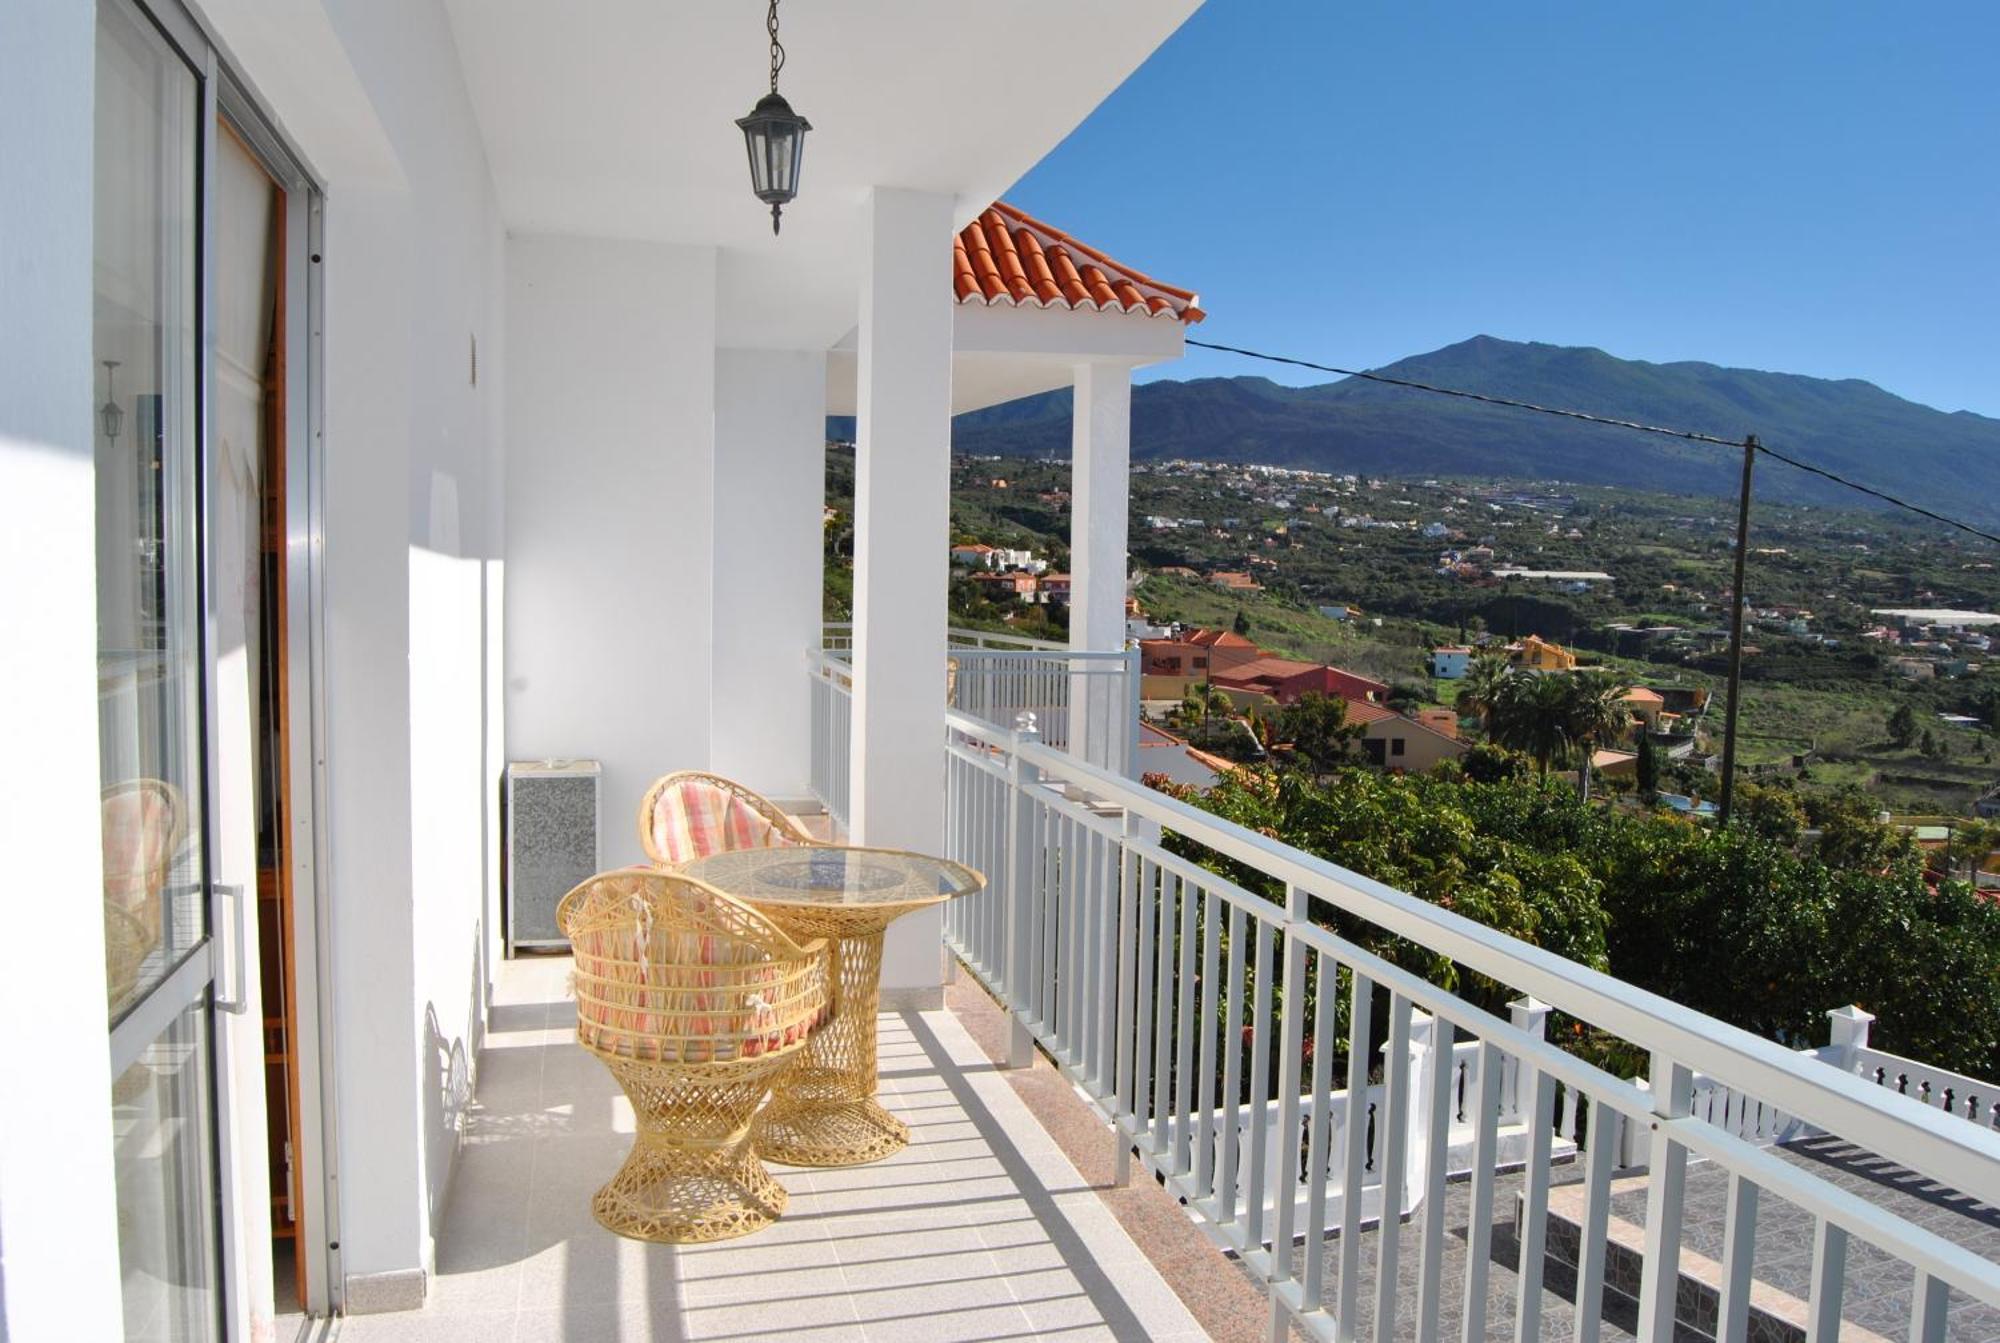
982	1229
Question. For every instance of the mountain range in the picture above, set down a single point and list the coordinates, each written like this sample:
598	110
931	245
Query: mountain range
1947	461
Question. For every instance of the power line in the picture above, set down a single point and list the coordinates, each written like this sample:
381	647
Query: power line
1663	431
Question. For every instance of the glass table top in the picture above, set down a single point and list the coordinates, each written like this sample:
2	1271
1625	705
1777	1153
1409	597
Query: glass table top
834	875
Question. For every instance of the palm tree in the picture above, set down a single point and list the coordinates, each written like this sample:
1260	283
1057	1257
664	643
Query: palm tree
1480	687
1597	716
1531	713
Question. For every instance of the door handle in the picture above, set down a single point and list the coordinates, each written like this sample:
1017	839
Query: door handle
238	1002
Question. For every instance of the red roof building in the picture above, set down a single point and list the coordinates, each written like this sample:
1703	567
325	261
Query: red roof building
1006	258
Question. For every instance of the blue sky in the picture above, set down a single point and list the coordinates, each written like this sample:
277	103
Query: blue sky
1813	188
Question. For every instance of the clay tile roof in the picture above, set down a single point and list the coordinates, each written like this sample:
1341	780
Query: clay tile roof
1006	258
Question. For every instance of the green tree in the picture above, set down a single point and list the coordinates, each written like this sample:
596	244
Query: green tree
1316	727
1774	813
1902	726
1972	842
1597	717
1241	625
1202	709
1532	713
1479	689
1647	767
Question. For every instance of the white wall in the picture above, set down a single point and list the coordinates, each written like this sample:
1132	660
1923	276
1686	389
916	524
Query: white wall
610	512
59	1273
770	490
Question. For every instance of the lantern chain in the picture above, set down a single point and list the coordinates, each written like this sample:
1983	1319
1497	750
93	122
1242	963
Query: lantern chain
777	47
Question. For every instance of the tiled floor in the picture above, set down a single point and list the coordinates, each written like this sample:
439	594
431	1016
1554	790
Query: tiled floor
982	1229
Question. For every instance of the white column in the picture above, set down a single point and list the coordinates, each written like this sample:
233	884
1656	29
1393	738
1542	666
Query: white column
770	488
59	1276
1100	490
902	509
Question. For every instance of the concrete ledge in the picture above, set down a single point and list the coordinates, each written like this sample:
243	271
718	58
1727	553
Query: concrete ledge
921	998
380	1293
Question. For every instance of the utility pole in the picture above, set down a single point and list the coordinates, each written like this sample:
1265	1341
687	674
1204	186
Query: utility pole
1736	632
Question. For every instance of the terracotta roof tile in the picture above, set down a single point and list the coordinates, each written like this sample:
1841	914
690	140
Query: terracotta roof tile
1006	258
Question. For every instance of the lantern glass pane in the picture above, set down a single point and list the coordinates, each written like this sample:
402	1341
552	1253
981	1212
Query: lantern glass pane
760	172
781	142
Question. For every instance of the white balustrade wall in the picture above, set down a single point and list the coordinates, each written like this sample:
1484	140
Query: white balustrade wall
1222	1034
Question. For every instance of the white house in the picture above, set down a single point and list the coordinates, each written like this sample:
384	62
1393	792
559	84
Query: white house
390	391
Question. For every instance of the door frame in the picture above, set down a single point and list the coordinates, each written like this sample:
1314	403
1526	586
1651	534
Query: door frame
305	651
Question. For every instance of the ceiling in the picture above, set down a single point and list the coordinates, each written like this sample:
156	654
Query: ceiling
612	118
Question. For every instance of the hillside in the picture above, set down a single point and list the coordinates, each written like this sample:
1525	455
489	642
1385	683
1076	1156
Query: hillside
1949	461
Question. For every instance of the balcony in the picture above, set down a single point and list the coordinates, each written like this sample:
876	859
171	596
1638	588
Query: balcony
1121	1131
981	1229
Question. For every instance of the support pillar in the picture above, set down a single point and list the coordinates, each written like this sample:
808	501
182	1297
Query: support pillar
1100	507
902	513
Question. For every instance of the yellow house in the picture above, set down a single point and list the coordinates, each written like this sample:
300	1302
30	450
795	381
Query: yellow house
1537	654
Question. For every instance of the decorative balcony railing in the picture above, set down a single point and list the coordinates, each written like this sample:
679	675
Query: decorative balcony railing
1084	703
1223	1034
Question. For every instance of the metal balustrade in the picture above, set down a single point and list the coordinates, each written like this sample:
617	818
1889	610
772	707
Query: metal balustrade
1086	703
1190	1010
832	688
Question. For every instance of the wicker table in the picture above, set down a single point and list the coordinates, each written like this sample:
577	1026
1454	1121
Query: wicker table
824	1113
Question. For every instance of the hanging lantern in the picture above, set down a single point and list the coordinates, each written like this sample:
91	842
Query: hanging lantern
111	415
775	136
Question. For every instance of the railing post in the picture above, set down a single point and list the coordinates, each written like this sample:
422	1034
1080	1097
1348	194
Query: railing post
1022	864
1424	1064
1848	1035
1129	726
1659	1284
1128	1005
1529	1014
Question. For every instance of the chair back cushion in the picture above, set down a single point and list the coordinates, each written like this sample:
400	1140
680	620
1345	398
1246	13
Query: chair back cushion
672	971
693	819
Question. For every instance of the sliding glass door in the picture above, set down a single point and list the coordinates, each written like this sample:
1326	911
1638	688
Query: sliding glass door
153	659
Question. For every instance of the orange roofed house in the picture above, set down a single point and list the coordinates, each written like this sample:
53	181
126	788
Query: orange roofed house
1168	667
1283	681
1538	654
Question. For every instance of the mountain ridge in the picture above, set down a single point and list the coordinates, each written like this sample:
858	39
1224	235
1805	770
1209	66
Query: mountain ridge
1947	460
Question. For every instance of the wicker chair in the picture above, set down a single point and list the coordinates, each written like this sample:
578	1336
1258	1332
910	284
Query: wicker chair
691	815
143	825
698	1005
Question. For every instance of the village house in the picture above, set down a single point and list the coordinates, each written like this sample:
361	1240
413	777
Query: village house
1535	653
1647	706
1280	681
1014	585
1451	662
1393	742
1169	667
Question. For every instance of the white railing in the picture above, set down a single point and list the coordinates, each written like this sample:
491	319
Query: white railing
1083	703
832	686
838	635
1182	1003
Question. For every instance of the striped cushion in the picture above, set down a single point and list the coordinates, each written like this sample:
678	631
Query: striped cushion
694	819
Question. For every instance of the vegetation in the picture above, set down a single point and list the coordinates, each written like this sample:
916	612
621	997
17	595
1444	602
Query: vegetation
1752	925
